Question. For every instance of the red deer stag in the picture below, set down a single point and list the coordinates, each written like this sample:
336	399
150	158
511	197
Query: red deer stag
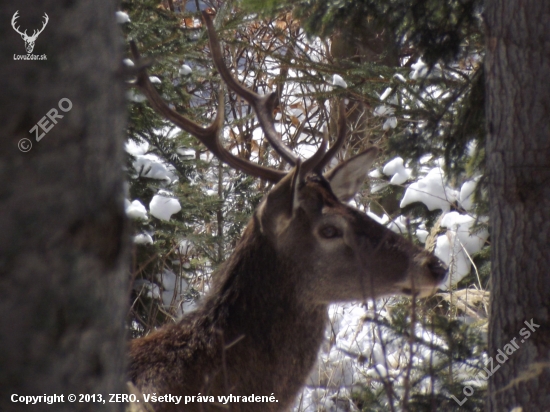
260	327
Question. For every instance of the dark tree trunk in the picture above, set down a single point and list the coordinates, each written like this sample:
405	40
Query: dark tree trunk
365	43
518	167
62	226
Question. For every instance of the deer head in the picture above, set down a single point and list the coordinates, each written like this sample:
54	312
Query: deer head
303	249
29	40
341	253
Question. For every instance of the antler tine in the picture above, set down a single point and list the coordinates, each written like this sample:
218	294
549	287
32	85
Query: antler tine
46	20
14	22
311	163
339	140
262	105
209	136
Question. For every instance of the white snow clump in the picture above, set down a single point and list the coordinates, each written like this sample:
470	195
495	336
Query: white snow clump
338	81
397	170
136	210
163	207
122	17
431	191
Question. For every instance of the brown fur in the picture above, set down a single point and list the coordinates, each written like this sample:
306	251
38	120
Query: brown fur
253	304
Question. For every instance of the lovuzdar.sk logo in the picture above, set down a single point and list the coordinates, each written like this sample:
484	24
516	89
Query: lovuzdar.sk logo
29	40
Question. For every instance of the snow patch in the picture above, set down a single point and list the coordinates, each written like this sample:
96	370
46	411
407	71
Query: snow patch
431	191
163	207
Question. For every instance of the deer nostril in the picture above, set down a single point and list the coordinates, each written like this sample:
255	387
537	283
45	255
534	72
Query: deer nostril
437	269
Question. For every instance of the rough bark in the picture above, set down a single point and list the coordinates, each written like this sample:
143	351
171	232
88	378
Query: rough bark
62	226
518	166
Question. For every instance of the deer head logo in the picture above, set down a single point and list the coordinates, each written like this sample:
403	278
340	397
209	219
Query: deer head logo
29	40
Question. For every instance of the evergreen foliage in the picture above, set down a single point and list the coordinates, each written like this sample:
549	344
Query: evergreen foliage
436	29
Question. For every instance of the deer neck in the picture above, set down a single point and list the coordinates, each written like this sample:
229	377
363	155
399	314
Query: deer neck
265	326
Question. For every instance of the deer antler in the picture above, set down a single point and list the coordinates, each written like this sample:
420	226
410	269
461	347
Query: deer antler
263	108
209	136
37	32
13	20
24	34
339	140
263	105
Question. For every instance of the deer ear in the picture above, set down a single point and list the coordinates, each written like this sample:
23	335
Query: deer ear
277	209
346	178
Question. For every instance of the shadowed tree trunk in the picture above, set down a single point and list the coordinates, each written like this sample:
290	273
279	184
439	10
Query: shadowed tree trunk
62	226
365	43
518	166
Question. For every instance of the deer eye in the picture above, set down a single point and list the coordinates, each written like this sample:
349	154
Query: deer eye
330	232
